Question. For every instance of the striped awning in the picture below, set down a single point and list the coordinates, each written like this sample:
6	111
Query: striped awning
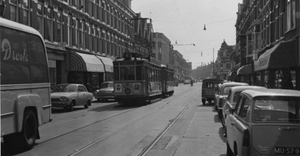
85	62
107	62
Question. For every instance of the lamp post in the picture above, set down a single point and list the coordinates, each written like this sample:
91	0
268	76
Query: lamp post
213	74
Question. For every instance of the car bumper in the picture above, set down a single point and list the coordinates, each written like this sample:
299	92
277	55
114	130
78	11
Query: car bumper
104	97
59	104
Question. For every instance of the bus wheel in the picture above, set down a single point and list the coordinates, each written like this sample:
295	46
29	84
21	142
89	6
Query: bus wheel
26	138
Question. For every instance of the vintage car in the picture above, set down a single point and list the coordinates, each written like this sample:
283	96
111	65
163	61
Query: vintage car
186	81
69	95
105	92
233	95
264	122
209	87
222	93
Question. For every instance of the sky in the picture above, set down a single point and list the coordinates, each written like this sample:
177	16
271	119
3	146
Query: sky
182	22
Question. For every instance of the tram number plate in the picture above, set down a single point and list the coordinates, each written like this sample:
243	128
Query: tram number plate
287	150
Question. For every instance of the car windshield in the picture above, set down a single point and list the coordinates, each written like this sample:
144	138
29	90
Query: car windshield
276	110
106	85
64	88
236	97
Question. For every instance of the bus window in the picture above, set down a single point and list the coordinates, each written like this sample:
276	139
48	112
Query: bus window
14	57
38	64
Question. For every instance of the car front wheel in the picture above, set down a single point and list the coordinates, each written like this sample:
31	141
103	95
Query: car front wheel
71	107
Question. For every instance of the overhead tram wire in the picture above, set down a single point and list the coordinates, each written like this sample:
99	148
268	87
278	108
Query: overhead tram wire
182	21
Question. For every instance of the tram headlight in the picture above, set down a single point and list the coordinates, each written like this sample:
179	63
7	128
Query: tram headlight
127	91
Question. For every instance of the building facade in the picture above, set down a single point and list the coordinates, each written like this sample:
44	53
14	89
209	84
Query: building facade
223	62
162	49
267	42
82	36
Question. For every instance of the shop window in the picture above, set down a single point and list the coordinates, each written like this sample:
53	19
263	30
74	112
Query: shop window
293	78
75	77
52	72
279	78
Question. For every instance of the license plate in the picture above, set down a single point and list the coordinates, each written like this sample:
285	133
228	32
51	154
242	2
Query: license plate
287	150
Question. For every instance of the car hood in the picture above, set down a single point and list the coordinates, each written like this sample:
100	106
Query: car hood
60	94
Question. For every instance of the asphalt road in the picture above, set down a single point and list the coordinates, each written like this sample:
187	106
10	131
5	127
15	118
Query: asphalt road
177	125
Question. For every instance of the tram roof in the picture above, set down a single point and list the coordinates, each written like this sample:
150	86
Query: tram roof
132	59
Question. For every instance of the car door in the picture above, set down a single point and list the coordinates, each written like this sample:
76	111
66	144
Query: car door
231	121
238	124
82	95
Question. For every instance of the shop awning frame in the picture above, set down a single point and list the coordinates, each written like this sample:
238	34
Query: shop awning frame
85	62
245	70
107	62
282	55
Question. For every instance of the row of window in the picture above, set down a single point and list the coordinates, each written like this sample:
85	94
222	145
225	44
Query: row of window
275	22
57	26
103	11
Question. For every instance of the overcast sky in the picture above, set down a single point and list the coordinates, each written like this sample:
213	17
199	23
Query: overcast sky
183	21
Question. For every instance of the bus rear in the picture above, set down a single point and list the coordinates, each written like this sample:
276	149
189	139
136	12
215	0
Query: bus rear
25	87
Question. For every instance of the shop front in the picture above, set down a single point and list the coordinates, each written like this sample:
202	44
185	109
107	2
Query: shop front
232	74
245	73
108	67
88	69
278	67
56	63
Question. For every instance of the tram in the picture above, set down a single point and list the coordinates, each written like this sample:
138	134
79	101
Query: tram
137	79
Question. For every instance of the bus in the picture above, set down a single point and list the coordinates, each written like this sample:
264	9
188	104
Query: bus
137	79
25	86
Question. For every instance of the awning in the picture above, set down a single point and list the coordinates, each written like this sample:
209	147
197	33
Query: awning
282	55
245	70
232	72
107	62
85	62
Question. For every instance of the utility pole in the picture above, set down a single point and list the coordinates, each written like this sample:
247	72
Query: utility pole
213	75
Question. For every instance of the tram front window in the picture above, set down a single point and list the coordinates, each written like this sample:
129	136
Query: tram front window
139	73
127	73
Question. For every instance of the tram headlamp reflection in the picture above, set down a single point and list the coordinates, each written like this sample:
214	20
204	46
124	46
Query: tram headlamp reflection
127	91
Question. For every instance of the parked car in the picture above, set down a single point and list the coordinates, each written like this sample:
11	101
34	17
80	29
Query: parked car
222	94
209	87
186	81
105	92
264	122
233	95
69	95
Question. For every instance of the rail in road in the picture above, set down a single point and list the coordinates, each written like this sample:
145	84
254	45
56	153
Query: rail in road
87	146
146	150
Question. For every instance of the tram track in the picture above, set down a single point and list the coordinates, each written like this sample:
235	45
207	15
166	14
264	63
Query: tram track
155	107
146	150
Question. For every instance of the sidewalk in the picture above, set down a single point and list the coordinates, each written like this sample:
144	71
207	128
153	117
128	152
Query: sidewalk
198	132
